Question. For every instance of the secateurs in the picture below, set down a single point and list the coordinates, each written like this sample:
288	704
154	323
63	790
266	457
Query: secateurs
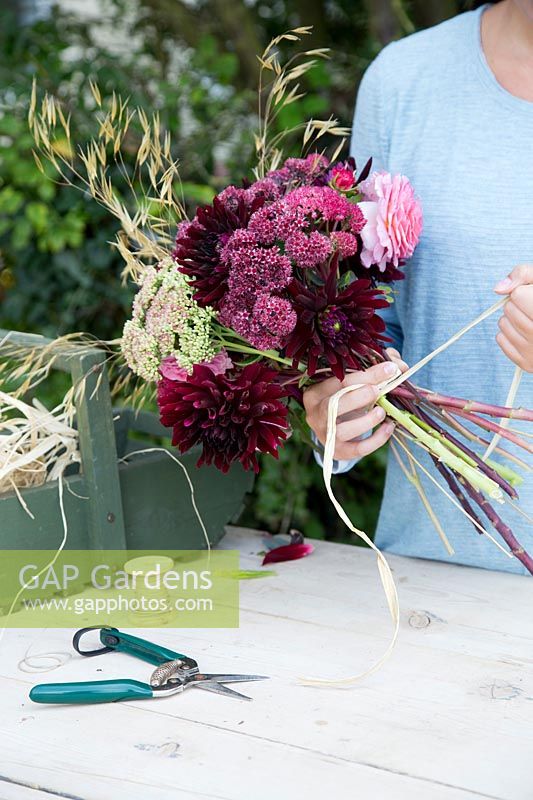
174	673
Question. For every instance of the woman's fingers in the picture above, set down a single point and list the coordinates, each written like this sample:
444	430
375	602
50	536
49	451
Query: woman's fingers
512	333
508	348
522	275
351	404
359	400
316	392
520	316
349	430
376	374
354	403
377	440
516	324
397	358
519	319
349	450
356	415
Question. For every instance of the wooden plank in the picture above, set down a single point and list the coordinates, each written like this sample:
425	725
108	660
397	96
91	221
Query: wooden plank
22	790
448	717
158	510
62	356
105	518
131	752
18	531
455	608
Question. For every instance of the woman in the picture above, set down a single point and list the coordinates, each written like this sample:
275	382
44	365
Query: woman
452	108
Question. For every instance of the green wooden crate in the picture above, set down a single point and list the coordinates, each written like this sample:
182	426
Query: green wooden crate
142	503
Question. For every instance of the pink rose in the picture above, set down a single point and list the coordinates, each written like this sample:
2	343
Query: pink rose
393	219
342	178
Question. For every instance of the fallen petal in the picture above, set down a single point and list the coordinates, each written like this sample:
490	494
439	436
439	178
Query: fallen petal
289	552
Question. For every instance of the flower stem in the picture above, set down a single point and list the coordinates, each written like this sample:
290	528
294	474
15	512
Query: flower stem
468	405
461	449
269	354
492	426
472	474
499	525
455	488
473	437
442	438
506	472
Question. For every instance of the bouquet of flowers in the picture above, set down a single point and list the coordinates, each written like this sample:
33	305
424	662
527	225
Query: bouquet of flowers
278	283
266	290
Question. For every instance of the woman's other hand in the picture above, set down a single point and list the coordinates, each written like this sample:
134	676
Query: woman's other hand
516	323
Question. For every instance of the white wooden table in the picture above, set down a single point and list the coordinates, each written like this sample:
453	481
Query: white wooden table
449	717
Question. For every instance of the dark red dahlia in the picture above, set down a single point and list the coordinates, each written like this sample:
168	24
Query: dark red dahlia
335	329
198	245
232	415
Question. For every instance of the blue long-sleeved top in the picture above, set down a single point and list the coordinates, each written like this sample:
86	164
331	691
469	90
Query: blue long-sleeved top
430	107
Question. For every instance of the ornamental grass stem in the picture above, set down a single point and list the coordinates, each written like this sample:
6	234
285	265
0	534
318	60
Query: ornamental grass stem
413	478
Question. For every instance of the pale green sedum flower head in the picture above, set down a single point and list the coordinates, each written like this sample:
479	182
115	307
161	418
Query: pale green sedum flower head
166	321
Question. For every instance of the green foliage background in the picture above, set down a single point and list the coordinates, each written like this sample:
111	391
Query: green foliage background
197	65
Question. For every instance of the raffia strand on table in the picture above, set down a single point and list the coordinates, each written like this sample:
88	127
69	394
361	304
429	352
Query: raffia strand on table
385	571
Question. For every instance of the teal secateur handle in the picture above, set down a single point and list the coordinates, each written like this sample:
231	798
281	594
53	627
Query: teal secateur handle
91	691
109	691
113	639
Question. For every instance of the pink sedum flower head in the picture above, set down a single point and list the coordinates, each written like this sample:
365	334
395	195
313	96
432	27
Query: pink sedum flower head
308	251
322	203
274	315
346	243
300	171
393	220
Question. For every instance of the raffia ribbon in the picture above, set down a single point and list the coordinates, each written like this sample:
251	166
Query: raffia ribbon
385	571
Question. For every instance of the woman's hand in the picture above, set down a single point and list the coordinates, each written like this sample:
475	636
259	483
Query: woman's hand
357	413
516	324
